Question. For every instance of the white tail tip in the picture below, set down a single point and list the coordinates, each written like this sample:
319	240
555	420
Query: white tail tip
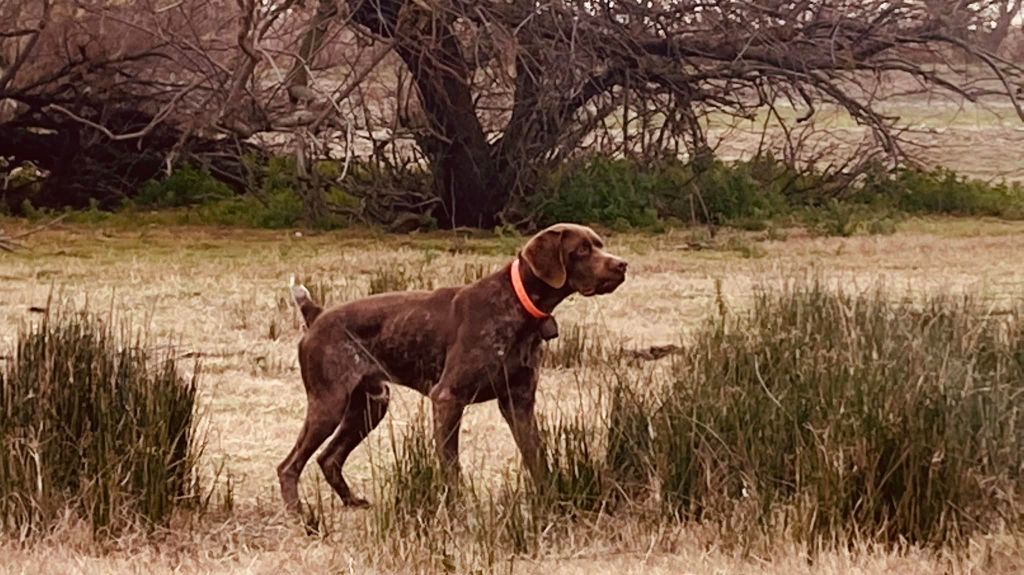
299	292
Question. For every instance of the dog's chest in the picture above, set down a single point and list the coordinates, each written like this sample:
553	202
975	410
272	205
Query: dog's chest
513	349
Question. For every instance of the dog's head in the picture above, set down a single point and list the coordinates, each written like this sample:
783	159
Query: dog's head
572	255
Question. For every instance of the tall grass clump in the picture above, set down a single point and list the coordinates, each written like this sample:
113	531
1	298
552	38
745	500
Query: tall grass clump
399	278
91	424
830	416
598	464
416	518
574	346
413	491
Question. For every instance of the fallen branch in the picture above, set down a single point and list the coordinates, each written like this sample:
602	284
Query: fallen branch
11	243
654	352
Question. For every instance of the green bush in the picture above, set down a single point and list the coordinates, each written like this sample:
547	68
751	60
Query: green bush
623	193
749	194
283	209
602	190
742	191
90	423
835	415
845	219
943	191
277	204
616	192
186	186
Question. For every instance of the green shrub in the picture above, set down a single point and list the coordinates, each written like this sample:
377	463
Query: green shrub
276	205
749	194
623	193
616	192
742	191
367	185
835	415
90	423
281	209
186	186
845	219
281	205
601	190
942	191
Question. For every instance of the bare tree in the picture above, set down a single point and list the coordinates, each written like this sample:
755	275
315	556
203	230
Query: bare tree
986	23
1001	22
566	67
502	89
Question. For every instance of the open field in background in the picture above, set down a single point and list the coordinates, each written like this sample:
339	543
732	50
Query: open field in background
969	152
977	139
982	140
221	295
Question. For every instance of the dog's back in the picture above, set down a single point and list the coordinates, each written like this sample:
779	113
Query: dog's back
404	333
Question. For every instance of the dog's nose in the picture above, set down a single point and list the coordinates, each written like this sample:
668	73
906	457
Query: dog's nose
620	266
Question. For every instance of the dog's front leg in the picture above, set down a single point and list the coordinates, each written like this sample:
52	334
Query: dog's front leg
447	412
522	421
518	411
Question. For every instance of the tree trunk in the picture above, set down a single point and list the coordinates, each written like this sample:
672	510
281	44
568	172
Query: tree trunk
466	173
994	39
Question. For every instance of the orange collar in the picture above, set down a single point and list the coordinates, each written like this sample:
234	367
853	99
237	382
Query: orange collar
524	298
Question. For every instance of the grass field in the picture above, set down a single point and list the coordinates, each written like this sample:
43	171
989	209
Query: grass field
973	139
221	296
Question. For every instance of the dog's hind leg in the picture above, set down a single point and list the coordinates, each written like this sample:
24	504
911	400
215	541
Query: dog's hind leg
320	421
330	384
366	408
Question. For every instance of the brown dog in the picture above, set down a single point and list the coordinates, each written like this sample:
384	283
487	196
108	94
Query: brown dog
458	346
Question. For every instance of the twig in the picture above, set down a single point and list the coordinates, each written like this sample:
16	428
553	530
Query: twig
11	243
153	123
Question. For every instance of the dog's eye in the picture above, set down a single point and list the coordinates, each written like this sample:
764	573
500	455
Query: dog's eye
583	250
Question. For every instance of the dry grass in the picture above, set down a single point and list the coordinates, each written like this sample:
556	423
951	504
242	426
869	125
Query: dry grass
697	555
221	294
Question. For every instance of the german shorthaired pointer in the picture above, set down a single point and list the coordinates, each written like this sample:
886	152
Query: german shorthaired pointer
458	346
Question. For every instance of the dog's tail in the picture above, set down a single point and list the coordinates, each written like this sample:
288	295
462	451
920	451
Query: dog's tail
309	308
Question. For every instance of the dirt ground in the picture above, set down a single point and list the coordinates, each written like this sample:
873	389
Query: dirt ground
222	295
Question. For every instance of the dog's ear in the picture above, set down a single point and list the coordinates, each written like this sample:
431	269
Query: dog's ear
545	256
